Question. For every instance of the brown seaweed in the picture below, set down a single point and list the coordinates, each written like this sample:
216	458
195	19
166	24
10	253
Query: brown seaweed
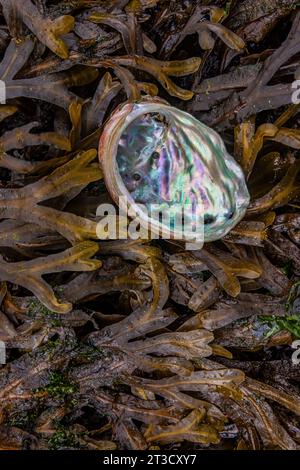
163	347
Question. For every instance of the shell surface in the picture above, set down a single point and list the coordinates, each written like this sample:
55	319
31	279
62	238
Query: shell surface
160	156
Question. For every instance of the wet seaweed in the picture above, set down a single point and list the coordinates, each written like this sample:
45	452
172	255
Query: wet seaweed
142	344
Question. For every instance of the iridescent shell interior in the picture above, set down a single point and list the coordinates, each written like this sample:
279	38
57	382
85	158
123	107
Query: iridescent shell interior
167	158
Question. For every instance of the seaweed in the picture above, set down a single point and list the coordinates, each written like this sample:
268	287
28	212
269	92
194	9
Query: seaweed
143	344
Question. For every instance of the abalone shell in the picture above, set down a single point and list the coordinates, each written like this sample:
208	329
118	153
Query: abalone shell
158	155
